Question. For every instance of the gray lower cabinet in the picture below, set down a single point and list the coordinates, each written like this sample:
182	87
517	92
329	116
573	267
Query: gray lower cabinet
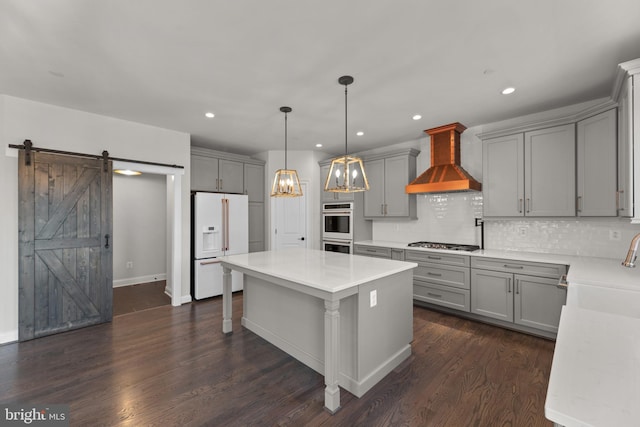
527	298
441	279
372	251
397	254
379	252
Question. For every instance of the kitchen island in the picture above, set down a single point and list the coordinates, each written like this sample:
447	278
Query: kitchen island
347	317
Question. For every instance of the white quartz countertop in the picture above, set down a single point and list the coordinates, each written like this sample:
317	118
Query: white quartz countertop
582	270
322	270
595	376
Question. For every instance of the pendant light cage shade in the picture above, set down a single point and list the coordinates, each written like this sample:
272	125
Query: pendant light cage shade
286	182
346	175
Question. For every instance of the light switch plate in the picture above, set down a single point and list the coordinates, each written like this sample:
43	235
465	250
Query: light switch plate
373	298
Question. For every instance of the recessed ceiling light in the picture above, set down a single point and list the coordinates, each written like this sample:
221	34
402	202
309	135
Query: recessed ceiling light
417	117
318	145
360	133
210	115
508	91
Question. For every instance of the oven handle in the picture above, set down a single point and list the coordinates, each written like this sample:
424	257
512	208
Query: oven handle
337	212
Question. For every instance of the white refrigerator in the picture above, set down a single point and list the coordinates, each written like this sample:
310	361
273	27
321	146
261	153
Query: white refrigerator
220	227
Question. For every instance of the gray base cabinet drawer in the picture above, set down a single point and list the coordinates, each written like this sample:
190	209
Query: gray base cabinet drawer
445	275
458	299
553	271
374	251
441	258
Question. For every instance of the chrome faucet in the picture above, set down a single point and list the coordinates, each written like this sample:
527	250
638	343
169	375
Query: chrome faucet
633	250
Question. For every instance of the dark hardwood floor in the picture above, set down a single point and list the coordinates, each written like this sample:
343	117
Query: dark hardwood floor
173	366
127	299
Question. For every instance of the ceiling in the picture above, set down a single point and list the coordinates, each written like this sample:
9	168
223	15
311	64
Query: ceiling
166	63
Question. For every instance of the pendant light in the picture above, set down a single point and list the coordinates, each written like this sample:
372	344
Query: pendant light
286	182
346	174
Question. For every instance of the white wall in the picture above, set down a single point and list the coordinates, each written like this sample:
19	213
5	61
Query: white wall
71	130
139	228
450	217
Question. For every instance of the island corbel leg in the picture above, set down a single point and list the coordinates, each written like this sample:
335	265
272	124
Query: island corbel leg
331	352
227	328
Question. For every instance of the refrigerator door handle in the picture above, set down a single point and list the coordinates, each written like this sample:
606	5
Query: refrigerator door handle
226	223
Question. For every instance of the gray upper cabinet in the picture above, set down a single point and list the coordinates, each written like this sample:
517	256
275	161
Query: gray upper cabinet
597	174
530	174
374	202
388	175
204	173
625	147
550	173
230	176
330	196
254	182
503	176
212	174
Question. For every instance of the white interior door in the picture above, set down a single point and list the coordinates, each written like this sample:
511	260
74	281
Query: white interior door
289	221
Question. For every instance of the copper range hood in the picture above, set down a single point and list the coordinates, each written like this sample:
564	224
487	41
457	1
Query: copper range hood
445	174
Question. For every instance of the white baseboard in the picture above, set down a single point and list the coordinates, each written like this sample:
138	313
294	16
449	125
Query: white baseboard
185	299
8	337
141	279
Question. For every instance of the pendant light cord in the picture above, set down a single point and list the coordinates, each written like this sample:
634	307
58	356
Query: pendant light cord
285	140
345	122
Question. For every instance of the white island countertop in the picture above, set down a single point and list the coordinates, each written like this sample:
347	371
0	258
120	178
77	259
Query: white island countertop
322	270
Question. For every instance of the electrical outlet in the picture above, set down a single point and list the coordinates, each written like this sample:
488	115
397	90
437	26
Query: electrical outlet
614	235
129	264
522	231
373	298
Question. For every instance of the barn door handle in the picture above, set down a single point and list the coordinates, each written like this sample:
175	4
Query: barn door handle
106	245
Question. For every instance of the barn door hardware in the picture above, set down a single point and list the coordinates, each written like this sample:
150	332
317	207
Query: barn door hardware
27	152
28	147
105	160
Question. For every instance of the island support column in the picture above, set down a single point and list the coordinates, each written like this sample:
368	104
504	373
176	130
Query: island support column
331	355
227	328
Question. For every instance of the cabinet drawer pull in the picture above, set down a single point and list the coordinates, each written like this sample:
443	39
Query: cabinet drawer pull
431	294
520	206
434	274
371	250
509	285
517	286
528	205
433	257
517	267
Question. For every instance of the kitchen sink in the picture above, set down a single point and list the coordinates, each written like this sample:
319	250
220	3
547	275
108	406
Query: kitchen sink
623	302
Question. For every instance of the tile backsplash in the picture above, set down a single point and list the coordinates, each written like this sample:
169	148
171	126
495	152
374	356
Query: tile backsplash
450	217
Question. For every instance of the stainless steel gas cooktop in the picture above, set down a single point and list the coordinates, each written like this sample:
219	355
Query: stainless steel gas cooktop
447	246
